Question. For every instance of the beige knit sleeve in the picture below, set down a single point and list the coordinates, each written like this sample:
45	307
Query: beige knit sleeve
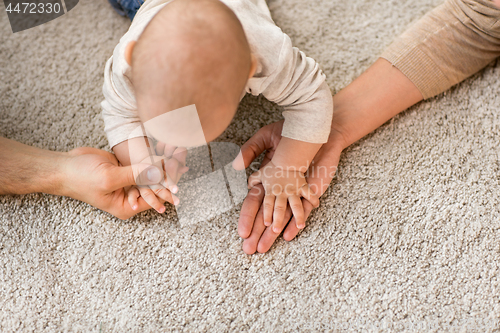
447	45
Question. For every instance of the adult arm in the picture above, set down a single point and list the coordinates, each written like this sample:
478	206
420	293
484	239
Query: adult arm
377	95
450	43
286	76
87	174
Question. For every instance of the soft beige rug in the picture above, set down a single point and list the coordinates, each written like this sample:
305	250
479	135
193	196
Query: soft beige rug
407	238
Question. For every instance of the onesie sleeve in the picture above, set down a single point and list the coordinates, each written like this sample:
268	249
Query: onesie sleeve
118	111
119	108
298	84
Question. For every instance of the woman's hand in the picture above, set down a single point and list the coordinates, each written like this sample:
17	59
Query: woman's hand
376	96
282	186
251	225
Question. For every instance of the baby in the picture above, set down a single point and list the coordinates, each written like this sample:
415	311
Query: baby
209	53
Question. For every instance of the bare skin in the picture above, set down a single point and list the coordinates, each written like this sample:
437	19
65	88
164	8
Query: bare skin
376	96
284	181
157	197
168	74
27	169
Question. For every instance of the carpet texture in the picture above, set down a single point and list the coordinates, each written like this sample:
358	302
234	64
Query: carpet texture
407	237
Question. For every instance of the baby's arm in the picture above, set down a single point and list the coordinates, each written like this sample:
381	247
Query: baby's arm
284	181
299	86
122	124
171	166
122	151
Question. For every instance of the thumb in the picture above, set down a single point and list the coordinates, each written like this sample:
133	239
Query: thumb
254	179
239	163
309	195
255	146
137	174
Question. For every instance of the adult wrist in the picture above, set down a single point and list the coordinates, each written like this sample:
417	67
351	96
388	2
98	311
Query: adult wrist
54	170
338	137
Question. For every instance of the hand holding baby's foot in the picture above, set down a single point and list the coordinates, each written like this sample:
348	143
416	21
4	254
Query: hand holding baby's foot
282	186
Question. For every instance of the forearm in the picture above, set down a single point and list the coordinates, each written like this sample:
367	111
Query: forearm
140	148
376	96
447	45
294	154
26	169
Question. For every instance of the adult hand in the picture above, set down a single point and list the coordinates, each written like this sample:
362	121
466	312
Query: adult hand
95	177
251	226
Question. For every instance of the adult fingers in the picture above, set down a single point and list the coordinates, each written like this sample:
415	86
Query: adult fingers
265	160
250	243
149	196
269	200
279	213
268	236
251	149
309	195
142	206
137	174
254	179
132	195
298	211
249	210
292	230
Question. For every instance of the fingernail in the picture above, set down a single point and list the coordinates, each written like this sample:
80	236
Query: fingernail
267	224
301	226
238	163
176	201
154	175
161	210
134	207
174	189
276	229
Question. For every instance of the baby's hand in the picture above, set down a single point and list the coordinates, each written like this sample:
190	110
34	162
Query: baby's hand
173	164
155	196
282	185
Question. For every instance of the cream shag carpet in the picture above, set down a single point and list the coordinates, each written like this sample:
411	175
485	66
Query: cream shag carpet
407	237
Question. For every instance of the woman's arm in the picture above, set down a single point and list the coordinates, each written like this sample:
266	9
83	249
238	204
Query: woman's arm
376	96
450	43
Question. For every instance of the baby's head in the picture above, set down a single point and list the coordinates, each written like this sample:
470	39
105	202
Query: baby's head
192	52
